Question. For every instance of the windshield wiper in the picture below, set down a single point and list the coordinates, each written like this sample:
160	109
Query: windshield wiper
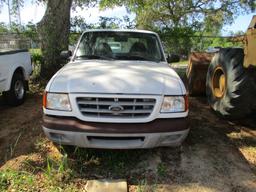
94	57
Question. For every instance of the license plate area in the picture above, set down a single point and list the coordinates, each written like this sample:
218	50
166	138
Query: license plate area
116	142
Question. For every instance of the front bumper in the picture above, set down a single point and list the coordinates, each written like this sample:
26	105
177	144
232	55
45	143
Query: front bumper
71	131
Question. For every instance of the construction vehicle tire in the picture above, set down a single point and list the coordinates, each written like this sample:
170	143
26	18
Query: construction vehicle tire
230	88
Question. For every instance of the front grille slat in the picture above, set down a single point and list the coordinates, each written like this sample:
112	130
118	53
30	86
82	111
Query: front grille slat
108	111
98	107
111	103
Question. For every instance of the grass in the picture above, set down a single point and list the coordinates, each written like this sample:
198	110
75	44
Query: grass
12	147
180	63
11	150
142	187
104	162
16	180
54	175
12	180
53	171
145	187
161	170
46	169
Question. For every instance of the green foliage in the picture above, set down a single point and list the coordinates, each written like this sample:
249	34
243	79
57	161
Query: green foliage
37	61
109	22
16	180
176	13
83	3
73	38
36	56
161	170
79	25
224	42
201	43
29	30
177	40
145	186
179	21
58	170
3	28
56	176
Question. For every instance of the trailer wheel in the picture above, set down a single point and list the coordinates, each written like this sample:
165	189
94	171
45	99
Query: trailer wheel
16	95
229	86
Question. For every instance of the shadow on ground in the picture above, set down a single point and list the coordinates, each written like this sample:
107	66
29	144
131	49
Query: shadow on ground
212	158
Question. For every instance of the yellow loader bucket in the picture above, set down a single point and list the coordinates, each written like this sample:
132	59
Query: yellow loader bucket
197	71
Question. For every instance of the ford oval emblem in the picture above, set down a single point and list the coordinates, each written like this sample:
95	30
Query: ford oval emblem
116	108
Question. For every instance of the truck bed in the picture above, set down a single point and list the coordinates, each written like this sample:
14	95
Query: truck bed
8	52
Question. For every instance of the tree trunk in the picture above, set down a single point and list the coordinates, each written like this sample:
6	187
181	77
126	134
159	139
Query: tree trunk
54	33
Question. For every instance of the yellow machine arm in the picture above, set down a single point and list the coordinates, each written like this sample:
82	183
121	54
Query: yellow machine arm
250	45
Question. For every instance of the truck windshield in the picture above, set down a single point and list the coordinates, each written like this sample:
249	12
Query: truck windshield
109	45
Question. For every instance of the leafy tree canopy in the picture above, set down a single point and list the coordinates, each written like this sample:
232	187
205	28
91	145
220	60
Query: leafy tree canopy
180	23
198	14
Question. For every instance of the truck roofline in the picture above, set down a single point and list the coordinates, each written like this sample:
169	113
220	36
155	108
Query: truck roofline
120	30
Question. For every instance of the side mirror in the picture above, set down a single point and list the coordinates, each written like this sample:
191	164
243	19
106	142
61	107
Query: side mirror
65	54
173	58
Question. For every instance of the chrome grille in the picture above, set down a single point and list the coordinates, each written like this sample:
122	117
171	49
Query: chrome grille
116	107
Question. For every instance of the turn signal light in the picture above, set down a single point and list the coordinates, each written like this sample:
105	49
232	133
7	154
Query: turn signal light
45	99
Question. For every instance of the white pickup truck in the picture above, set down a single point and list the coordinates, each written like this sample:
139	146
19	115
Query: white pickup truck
116	98
15	69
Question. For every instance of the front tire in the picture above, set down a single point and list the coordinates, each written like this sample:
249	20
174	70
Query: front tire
17	94
230	88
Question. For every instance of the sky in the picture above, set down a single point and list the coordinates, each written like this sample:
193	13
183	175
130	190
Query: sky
34	12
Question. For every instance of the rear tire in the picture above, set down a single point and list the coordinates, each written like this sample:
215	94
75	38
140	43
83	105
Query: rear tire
17	94
230	88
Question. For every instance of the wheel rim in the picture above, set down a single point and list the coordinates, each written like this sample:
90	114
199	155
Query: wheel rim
19	89
219	82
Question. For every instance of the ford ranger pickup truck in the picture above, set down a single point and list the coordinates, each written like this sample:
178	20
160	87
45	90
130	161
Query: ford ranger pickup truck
117	92
15	70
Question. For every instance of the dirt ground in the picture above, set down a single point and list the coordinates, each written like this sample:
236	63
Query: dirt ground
217	155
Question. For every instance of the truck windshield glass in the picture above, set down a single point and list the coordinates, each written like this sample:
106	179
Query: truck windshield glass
119	46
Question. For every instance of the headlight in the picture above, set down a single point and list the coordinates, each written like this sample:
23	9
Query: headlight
56	101
172	104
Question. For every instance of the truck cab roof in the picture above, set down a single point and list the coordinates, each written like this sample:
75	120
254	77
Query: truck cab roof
120	30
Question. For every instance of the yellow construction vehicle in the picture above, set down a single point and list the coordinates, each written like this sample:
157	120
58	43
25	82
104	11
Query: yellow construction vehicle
227	77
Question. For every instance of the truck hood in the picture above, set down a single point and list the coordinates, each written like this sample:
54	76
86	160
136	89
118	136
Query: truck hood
126	77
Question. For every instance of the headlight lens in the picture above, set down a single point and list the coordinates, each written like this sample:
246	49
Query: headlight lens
57	101
172	104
